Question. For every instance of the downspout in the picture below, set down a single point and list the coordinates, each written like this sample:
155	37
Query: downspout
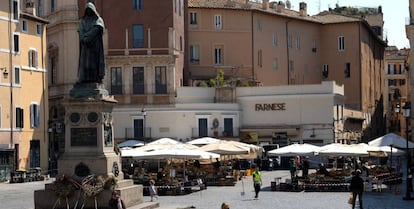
11	74
360	67
253	71
287	51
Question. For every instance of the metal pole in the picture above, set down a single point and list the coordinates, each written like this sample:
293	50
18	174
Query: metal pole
408	170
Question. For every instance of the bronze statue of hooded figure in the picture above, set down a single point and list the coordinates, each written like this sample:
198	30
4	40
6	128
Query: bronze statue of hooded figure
91	52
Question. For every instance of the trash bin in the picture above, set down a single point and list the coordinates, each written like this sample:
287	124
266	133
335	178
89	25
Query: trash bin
273	186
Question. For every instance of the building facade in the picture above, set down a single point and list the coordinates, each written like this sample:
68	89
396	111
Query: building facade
278	46
397	89
267	115
23	89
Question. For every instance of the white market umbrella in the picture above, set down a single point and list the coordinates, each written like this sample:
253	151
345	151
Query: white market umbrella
384	151
204	141
226	148
294	149
338	149
131	143
393	140
167	153
165	143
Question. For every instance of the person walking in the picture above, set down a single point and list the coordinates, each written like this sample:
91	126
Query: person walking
153	190
357	188
116	202
257	180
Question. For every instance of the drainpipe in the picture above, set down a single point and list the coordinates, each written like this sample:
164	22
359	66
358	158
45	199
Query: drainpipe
11	73
287	51
253	71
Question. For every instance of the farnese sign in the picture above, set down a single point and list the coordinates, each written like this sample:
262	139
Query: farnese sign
270	107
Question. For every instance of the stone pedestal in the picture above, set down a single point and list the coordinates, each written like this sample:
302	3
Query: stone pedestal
89	152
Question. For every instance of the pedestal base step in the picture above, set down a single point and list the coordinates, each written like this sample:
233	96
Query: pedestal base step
146	205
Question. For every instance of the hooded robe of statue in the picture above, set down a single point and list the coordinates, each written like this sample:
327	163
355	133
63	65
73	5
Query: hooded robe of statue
91	51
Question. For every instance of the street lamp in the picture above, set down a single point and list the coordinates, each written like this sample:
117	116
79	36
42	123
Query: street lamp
407	109
144	114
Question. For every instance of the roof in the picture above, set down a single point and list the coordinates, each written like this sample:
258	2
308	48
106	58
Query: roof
323	18
326	17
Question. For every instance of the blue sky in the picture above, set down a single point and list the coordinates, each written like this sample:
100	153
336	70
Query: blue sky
395	15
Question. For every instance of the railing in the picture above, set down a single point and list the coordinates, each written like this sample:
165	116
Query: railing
131	133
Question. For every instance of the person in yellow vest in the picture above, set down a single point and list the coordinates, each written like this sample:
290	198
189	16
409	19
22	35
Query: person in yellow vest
257	180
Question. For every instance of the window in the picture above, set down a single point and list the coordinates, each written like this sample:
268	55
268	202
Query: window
194	54
259	25
341	43
137	5
274	39
15	9
138	36
297	43
19	117
179	7
217	22
218	55
33	58
138	80
24	26
116	80
138	128
16	47
38	29
160	80
291	65
34	116
181	43
34	153
325	71
53	70
52	5
402	82
16	75
228	127
289	41
259	58
193	18
40	8
347	70
202	127
275	64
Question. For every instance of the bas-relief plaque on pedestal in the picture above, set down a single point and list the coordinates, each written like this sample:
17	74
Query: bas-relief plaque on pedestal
83	137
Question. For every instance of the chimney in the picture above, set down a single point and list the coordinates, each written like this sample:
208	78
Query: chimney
280	7
265	4
302	9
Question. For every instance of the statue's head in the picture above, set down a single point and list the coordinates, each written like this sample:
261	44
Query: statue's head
90	10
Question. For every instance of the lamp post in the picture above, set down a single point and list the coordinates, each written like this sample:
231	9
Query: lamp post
407	109
144	114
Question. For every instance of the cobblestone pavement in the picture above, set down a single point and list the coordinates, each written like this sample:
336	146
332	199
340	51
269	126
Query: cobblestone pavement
20	196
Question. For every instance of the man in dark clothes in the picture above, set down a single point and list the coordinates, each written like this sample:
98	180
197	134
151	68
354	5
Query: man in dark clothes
305	167
357	187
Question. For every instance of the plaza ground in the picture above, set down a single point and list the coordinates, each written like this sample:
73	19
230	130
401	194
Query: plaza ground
20	196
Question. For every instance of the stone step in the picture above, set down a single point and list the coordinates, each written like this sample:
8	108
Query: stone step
146	205
125	182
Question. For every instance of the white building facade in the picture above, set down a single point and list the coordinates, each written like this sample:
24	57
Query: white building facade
273	115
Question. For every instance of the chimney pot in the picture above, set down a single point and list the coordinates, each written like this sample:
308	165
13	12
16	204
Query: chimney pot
302	9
